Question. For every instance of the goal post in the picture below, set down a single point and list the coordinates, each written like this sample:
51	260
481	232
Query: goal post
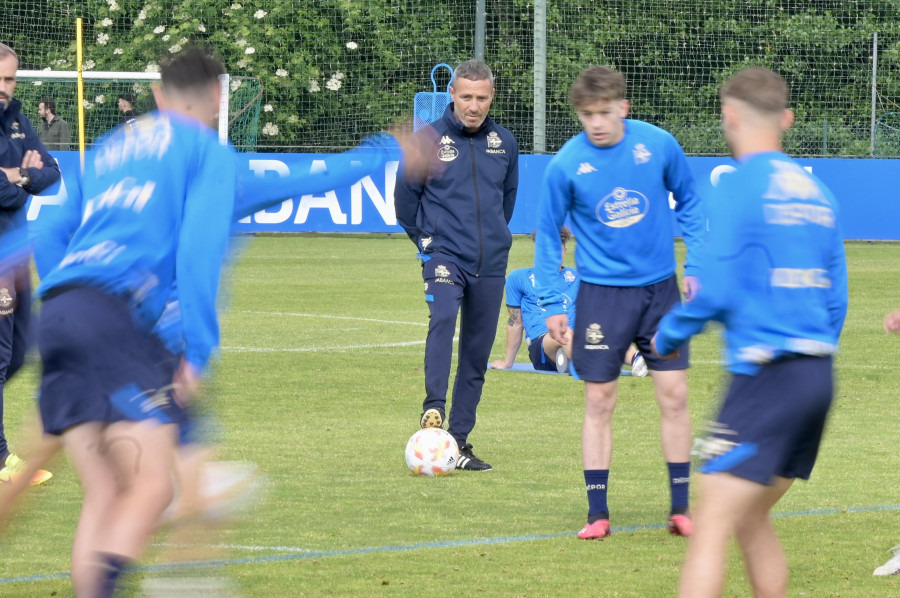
100	95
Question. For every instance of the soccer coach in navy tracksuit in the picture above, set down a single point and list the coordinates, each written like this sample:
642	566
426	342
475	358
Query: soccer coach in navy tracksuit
458	216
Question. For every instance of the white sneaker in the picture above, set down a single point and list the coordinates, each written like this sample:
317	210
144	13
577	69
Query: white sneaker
892	567
639	366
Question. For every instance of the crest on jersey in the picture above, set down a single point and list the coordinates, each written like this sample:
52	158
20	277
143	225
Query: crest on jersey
6	302
493	140
593	335
641	154
569	276
585	168
441	271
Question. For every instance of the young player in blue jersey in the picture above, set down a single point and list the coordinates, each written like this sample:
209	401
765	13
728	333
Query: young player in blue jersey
774	274
155	201
526	319
613	181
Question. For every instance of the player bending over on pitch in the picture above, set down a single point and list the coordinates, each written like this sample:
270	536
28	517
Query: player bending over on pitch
526	319
613	180
774	274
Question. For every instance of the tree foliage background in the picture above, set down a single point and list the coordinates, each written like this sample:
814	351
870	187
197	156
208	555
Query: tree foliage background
333	71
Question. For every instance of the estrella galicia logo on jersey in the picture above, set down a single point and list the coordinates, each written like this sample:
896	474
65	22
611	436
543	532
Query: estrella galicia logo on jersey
445	140
593	335
441	271
623	207
585	168
641	154
447	153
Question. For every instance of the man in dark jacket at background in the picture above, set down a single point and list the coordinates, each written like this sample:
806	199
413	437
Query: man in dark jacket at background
25	168
458	217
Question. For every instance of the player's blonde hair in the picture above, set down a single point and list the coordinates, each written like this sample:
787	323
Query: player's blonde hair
763	90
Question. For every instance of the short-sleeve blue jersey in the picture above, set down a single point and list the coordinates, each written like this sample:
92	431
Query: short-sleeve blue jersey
617	199
773	271
156	198
520	293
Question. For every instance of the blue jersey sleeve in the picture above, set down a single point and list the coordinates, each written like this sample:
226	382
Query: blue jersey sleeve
688	208
57	228
553	207
204	234
515	288
723	239
254	194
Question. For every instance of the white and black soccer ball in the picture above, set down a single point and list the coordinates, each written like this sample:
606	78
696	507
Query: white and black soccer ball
432	452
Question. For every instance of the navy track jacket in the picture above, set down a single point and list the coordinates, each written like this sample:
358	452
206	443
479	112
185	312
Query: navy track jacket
461	211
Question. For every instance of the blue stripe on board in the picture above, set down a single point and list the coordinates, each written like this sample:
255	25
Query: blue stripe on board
418	546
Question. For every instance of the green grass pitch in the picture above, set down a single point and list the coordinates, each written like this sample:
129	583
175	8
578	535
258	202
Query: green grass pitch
320	384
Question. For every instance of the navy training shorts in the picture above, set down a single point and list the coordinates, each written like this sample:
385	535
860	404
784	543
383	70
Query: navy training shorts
610	319
98	367
539	359
771	424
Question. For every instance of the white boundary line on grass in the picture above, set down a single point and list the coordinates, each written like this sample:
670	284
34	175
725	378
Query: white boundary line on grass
328	317
317	349
306	553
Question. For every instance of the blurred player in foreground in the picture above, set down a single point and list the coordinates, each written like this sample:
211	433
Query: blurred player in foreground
613	180
526	319
774	274
892	567
154	201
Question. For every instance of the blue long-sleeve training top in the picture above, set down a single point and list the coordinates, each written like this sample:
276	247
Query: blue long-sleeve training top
773	271
617	199
156	198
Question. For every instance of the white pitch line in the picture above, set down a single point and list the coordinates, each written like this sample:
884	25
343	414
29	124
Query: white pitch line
318	349
234	547
328	317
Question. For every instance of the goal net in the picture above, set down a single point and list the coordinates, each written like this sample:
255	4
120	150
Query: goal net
238	114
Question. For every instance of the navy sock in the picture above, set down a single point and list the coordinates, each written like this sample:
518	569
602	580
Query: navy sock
112	567
595	482
679	485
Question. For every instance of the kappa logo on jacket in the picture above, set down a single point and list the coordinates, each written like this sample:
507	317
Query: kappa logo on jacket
445	140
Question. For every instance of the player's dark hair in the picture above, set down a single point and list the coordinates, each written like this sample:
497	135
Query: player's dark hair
595	84
49	104
764	90
192	69
565	235
473	70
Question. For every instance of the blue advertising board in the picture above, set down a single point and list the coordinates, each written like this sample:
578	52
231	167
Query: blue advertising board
866	189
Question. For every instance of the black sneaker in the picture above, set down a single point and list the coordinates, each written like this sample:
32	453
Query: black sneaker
432	418
468	460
